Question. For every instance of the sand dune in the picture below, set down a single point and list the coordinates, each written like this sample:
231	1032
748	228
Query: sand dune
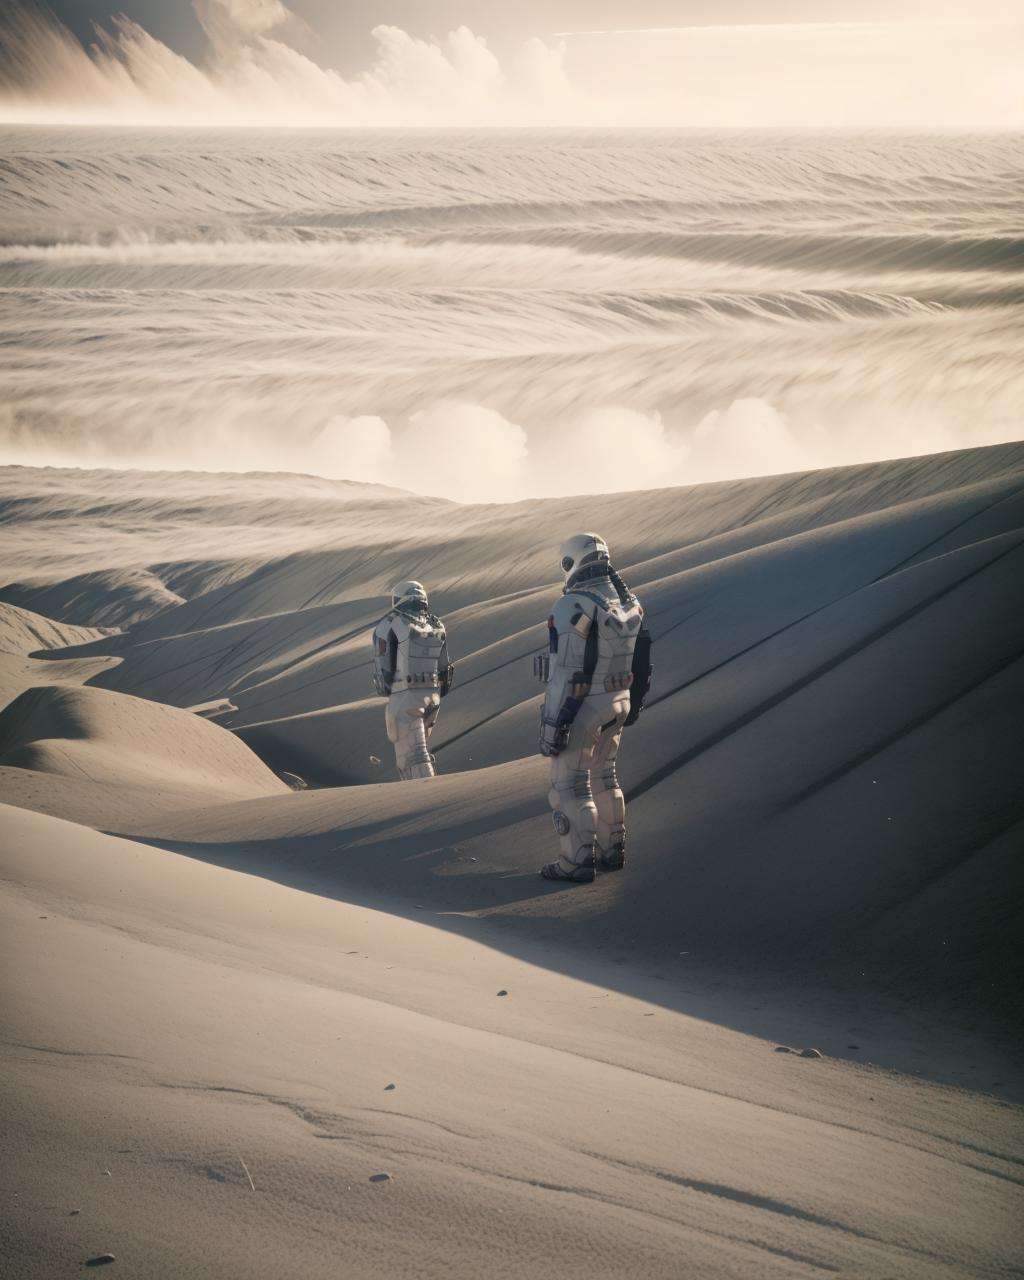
812	660
247	1030
810	645
67	746
31	647
108	597
192	530
202	531
825	799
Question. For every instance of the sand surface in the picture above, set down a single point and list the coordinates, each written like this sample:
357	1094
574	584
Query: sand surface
212	977
200	1026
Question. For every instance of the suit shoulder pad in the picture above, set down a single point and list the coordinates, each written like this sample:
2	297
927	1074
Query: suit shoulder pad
574	612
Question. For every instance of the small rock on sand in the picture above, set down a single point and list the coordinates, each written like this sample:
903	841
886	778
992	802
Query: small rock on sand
389	1087
101	1260
380	1177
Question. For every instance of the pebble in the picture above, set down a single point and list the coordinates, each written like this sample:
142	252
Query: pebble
503	992
388	1087
380	1177
101	1260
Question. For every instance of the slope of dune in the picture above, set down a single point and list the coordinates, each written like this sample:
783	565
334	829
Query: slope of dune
826	834
305	540
63	746
834	715
108	597
23	632
63	524
260	1059
29	643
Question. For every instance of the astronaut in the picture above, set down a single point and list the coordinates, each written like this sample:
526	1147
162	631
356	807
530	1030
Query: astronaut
411	669
597	670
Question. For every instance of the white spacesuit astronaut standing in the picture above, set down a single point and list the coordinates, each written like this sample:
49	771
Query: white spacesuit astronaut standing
411	669
597	671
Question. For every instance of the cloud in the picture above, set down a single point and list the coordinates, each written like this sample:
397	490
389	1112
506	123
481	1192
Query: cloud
472	453
359	448
453	449
248	17
255	75
925	73
606	449
458	450
747	438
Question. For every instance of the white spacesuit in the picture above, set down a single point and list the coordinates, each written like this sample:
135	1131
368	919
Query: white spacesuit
411	669
597	670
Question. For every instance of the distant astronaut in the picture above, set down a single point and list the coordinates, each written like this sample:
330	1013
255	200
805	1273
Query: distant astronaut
411	669
598	671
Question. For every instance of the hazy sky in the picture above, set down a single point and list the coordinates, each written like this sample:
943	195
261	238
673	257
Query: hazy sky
902	63
343	27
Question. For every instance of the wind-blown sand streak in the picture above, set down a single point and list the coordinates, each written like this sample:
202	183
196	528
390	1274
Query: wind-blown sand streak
467	313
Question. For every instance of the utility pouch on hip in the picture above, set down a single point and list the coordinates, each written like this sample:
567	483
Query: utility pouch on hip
620	680
578	688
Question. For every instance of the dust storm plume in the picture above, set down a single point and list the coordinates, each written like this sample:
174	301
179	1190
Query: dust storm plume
495	314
